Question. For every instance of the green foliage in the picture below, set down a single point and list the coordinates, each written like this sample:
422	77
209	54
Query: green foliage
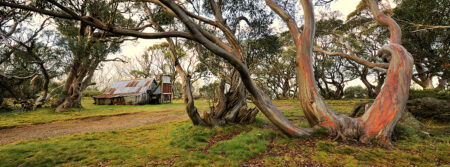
430	47
25	60
162	17
155	62
436	93
209	91
361	6
271	60
352	92
90	93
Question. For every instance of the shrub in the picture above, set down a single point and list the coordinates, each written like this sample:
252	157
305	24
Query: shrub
436	93
355	92
90	93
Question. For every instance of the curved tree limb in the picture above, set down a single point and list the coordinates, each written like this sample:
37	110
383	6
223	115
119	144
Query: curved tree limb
381	118
287	18
17	77
395	30
237	21
262	101
116	59
187	90
98	24
375	66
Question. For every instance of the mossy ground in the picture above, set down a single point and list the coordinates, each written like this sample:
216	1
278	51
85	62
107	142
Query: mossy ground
182	144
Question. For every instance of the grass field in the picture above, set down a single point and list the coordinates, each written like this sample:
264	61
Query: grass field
180	143
46	114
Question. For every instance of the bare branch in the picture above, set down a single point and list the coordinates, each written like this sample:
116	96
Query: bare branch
396	32
98	24
261	100
140	28
236	22
116	40
424	27
116	59
292	25
376	66
17	77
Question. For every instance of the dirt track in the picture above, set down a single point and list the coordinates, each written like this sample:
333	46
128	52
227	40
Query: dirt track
89	124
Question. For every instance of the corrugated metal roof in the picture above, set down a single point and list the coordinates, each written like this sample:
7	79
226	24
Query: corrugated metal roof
128	88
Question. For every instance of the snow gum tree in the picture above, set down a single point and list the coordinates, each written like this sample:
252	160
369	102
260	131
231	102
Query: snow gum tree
380	119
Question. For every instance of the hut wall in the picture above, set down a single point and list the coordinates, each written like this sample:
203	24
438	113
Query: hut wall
142	98
119	101
103	101
165	98
130	100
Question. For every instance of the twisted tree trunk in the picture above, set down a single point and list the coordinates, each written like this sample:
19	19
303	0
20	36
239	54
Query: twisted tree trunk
78	79
379	120
232	106
42	99
260	99
80	74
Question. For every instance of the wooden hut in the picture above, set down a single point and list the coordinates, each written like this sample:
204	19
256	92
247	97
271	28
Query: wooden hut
146	91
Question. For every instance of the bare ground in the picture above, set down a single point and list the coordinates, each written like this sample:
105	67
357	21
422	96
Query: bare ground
89	124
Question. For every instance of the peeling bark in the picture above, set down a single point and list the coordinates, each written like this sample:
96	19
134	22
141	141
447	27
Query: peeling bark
188	98
80	74
260	99
232	106
378	122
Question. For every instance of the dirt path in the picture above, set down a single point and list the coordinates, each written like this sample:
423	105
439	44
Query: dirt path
89	124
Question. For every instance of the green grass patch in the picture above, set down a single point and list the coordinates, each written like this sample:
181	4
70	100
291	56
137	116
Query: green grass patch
182	144
46	115
243	146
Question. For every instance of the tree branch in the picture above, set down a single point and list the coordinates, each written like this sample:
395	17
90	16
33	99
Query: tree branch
236	22
292	25
98	24
261	100
116	59
17	77
375	66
